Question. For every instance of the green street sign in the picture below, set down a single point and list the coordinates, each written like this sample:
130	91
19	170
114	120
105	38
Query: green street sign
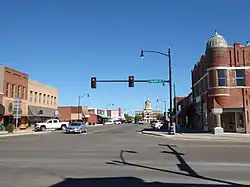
156	81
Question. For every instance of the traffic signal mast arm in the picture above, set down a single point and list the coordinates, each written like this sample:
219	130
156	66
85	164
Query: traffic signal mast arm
130	80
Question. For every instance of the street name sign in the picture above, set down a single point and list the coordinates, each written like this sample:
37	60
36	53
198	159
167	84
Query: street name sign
156	81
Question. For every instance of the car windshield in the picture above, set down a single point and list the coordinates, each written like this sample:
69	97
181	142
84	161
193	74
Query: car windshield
75	124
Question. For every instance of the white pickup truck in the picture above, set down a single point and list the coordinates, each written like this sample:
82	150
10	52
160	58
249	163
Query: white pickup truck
51	124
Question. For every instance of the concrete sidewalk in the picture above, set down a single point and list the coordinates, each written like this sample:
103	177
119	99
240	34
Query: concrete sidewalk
202	136
21	133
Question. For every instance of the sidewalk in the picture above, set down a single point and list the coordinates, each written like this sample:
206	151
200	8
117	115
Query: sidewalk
28	131
202	136
96	125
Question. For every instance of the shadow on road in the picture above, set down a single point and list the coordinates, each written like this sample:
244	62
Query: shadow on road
188	171
122	182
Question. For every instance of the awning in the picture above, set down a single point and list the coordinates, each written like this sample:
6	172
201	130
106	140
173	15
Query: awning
42	112
103	116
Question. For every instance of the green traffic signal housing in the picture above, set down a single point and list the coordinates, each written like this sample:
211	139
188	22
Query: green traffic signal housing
131	81
93	82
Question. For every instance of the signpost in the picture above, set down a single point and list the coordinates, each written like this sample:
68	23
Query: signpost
156	81
17	110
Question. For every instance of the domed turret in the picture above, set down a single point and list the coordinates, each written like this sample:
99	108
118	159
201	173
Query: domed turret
147	104
216	40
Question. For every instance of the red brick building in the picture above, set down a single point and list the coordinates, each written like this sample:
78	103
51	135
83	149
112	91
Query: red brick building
221	87
73	113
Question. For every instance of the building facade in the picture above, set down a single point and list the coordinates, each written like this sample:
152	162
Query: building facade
13	85
73	113
42	102
221	87
148	114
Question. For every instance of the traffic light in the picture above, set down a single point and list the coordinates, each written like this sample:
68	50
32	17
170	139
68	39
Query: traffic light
131	81
93	82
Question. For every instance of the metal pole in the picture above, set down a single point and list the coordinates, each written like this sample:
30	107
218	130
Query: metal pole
165	109
17	108
170	90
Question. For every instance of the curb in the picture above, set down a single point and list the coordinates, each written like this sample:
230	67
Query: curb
23	134
156	134
183	137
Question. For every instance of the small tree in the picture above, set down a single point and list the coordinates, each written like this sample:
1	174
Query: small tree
137	118
128	117
160	116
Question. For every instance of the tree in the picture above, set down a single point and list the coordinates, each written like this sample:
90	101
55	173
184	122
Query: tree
137	118
160	116
128	117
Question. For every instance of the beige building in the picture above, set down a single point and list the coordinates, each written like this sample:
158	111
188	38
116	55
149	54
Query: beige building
148	114
42	101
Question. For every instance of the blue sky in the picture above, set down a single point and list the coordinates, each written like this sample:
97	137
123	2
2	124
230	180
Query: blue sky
64	43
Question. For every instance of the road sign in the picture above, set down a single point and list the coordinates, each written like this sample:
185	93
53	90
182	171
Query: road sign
17	113
17	103
156	81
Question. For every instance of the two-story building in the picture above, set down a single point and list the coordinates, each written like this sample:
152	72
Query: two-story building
42	101
13	86
221	87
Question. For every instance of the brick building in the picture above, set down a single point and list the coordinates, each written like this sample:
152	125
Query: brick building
13	85
221	87
73	113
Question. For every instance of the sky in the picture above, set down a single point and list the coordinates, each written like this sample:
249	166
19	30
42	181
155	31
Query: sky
65	43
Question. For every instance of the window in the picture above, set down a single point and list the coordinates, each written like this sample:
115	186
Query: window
44	99
55	101
19	93
31	96
35	100
13	91
222	77
23	92
7	90
40	97
240	77
51	100
48	100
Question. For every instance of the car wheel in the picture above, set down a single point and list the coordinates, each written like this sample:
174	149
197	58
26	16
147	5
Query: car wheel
63	127
43	128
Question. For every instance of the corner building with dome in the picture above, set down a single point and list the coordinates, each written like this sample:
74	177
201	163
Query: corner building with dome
221	87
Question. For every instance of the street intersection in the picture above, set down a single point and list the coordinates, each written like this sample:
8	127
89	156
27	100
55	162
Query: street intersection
120	156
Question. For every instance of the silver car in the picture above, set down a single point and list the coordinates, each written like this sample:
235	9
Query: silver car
77	127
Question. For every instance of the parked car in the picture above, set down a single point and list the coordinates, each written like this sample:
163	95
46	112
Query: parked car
157	124
109	122
51	124
117	122
77	127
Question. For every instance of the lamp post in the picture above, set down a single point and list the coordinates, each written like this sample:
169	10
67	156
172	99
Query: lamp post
79	103
108	105
165	107
169	81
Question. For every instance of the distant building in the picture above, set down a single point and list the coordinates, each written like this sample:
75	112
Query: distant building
73	113
148	114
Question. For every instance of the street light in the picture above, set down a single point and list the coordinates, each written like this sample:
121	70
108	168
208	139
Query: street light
108	105
165	107
169	81
79	103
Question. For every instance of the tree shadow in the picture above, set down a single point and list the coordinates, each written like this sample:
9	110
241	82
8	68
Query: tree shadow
183	166
123	182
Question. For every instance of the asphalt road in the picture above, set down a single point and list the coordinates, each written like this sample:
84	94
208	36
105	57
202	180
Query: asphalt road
119	156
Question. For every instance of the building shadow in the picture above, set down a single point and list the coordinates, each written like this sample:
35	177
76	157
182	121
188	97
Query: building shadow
122	182
183	166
